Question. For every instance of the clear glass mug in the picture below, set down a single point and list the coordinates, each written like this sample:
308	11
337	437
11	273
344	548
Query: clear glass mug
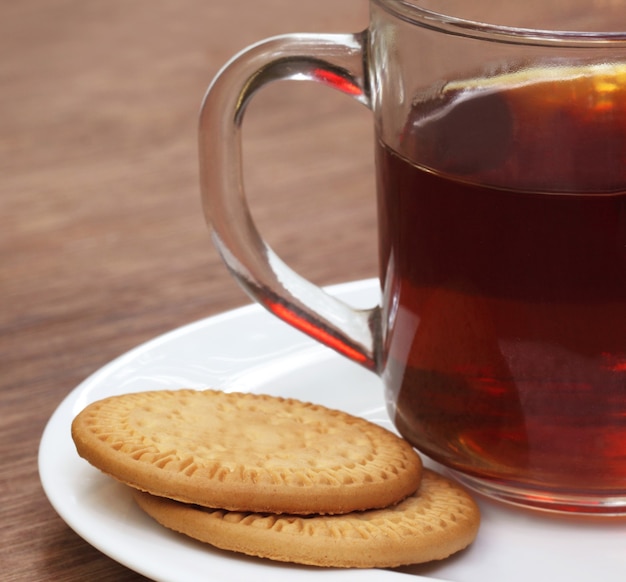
501	179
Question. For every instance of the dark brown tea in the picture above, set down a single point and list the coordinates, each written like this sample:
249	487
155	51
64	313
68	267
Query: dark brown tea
503	256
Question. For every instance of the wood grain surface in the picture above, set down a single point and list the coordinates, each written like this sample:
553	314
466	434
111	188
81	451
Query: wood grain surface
102	240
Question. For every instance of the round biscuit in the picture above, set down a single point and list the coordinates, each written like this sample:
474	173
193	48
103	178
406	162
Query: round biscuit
246	452
435	522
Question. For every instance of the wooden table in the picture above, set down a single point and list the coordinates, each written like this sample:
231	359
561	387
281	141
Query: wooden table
102	240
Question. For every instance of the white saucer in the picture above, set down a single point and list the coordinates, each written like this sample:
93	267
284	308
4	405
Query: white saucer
249	349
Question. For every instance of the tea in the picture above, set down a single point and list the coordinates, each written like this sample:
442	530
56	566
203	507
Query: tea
503	251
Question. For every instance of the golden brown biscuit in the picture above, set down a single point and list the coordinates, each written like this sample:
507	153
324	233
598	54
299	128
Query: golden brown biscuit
437	521
246	452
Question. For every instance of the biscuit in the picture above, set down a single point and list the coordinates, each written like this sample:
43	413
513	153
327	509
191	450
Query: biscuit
435	522
246	452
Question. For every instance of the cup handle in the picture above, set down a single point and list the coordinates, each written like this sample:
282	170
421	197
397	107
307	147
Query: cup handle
337	60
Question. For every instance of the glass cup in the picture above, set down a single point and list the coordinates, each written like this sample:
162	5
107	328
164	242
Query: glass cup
501	180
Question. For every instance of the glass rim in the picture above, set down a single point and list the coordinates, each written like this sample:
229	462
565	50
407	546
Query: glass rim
412	12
